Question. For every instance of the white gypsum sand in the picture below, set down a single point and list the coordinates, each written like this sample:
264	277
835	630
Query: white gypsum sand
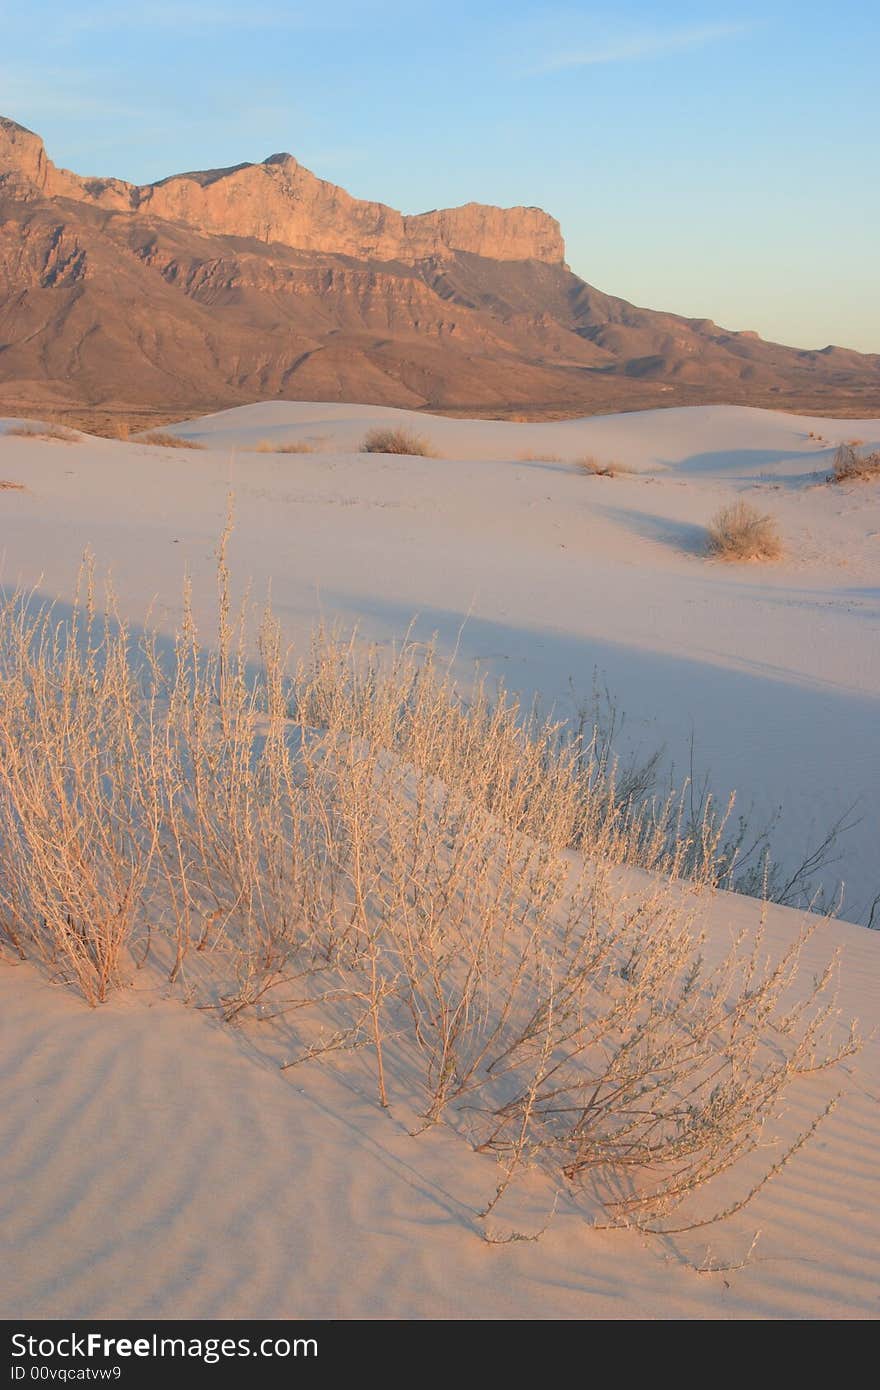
304	1159
157	1163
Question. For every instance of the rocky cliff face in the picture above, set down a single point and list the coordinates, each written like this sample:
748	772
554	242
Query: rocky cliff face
210	289
27	172
280	201
22	156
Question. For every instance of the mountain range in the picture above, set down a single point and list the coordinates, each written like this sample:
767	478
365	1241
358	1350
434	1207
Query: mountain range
262	281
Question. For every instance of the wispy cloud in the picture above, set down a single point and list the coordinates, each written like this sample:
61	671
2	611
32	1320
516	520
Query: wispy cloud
637	45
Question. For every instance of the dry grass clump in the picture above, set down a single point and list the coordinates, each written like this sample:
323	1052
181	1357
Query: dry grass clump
600	468
6	485
383	440
851	466
740	532
296	446
597	468
56	432
165	440
378	863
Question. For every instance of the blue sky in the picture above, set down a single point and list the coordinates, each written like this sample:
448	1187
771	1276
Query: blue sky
718	161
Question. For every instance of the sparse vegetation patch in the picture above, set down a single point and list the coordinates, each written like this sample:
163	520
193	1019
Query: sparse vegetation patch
56	432
602	468
383	440
741	532
387	866
295	446
163	439
852	466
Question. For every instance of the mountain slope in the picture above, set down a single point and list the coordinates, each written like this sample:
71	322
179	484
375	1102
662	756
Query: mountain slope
213	288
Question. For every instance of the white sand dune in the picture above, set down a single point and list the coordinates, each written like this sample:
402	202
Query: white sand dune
156	1163
547	577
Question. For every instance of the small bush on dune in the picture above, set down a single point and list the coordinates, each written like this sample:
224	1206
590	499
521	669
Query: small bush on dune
599	468
6	485
383	440
64	436
740	532
296	446
164	440
851	466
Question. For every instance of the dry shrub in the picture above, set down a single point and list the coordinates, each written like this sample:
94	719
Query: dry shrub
6	485
384	440
166	440
851	466
599	468
74	851
377	862
740	532
296	446
56	432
